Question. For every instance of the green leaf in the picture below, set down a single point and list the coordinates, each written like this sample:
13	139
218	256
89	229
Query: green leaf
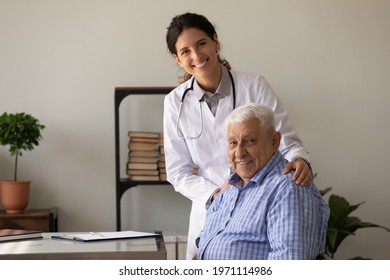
21	131
341	224
334	238
325	191
340	208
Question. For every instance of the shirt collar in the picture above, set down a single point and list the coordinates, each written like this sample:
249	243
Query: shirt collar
259	176
223	88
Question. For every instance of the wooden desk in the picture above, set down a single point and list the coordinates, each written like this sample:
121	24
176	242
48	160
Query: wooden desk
43	220
46	248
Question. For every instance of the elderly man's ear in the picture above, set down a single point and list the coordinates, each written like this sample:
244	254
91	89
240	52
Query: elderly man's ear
276	136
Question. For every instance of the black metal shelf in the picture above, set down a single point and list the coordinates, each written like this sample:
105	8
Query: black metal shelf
123	184
126	184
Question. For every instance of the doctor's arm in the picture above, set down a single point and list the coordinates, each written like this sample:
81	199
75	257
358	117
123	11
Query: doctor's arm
303	175
179	163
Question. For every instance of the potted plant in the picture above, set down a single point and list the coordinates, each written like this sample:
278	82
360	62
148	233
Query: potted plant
22	132
341	224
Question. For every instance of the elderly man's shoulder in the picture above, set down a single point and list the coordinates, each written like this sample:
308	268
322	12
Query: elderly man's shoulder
285	183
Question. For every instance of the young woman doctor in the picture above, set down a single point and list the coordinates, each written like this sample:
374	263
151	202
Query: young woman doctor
194	115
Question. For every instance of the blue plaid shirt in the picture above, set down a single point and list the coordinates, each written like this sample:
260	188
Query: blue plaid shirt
270	218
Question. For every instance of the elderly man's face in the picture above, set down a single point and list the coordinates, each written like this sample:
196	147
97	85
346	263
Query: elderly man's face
250	147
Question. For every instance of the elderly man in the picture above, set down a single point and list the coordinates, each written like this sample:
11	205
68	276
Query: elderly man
263	214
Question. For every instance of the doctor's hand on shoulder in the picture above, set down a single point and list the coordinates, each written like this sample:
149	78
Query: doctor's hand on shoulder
303	174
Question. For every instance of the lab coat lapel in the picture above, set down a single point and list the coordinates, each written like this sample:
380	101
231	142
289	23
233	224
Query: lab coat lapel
224	108
209	119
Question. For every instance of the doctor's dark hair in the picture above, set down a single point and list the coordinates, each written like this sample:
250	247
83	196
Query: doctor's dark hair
191	20
253	110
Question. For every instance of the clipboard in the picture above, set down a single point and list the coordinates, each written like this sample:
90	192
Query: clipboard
100	236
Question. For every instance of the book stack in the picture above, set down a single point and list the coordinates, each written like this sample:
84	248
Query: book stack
16	234
146	160
143	156
161	163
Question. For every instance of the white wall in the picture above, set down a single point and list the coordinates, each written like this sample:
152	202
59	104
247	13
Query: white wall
327	60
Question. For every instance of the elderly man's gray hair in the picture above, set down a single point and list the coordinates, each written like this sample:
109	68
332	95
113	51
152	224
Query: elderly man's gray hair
253	110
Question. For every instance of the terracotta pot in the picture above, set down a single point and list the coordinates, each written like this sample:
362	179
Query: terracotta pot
14	196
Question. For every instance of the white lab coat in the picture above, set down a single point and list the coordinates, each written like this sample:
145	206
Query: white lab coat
209	151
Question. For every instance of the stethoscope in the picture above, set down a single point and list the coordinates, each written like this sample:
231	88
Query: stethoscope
200	108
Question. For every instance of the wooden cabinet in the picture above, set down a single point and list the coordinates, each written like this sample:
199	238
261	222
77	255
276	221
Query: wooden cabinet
45	220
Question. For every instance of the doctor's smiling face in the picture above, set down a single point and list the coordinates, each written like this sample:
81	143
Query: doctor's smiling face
196	53
250	147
